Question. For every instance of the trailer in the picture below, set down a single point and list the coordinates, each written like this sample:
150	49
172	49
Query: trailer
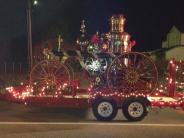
134	100
125	86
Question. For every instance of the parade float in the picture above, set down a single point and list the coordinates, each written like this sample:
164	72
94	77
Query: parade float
113	76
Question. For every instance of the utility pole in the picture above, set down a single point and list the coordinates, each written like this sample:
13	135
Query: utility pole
29	35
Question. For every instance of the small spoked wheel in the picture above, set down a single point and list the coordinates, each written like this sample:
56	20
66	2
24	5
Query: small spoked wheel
49	77
104	109
134	109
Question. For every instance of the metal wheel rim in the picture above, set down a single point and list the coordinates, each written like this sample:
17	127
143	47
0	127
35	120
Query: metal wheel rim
40	72
105	109
146	87
135	109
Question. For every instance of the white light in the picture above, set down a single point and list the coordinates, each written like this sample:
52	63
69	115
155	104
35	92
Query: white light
35	2
126	62
95	65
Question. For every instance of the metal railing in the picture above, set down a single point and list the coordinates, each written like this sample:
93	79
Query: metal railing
12	67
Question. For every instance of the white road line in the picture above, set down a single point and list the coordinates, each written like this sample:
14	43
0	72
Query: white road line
92	123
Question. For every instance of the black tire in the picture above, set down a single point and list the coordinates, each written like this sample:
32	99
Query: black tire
134	109
104	109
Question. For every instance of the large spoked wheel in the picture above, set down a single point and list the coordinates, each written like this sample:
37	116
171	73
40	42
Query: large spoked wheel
132	73
104	109
134	109
49	77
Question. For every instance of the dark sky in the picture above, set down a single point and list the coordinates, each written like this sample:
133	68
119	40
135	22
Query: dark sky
148	21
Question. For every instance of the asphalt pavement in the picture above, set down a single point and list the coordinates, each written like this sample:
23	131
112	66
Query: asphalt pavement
20	121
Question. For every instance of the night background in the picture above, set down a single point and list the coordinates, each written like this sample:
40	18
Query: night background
147	21
70	81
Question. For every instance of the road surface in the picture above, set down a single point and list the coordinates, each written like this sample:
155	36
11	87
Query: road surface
19	121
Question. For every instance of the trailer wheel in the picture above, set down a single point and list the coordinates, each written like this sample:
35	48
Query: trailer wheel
134	109
104	109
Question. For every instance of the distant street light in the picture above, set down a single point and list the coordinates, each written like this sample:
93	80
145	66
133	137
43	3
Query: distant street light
29	31
35	2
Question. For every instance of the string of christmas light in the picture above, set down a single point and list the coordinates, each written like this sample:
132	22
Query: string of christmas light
115	94
24	91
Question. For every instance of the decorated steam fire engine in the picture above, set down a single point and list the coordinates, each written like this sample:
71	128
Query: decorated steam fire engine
101	73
